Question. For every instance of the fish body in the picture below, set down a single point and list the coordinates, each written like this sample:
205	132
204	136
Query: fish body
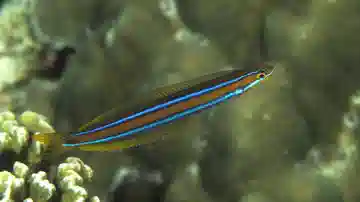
170	104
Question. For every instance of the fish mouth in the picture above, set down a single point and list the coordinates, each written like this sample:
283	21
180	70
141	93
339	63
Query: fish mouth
269	68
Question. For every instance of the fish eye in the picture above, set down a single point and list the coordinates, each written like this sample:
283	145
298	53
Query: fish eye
261	75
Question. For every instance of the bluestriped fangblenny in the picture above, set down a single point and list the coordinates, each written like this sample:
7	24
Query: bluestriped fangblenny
135	126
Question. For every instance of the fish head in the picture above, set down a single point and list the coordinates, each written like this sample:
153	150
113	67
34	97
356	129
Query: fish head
266	70
254	78
263	74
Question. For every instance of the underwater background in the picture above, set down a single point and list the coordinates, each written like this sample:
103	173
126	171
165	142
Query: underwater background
293	138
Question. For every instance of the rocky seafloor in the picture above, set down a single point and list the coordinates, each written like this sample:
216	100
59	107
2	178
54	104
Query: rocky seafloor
293	138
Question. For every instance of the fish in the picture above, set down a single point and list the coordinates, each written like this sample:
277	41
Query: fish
123	128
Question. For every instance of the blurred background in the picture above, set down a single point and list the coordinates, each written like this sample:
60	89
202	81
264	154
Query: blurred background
292	139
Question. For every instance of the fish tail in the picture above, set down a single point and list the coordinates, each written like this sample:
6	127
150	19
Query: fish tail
43	138
53	143
48	139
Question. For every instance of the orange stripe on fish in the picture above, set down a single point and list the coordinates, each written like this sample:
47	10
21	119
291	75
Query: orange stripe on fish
175	102
165	112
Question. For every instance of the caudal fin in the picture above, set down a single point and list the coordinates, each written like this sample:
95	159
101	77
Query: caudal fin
53	143
43	138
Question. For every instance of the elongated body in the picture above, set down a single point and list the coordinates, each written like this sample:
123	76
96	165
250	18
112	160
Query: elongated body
169	105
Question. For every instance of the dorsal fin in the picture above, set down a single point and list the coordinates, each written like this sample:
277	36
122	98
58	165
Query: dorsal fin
157	94
100	118
167	90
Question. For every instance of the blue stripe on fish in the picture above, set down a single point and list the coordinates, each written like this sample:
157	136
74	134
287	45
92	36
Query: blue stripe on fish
168	119
163	105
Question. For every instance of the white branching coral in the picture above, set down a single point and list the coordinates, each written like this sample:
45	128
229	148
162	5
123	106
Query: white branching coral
16	44
35	122
40	188
20	170
71	175
9	185
13	136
